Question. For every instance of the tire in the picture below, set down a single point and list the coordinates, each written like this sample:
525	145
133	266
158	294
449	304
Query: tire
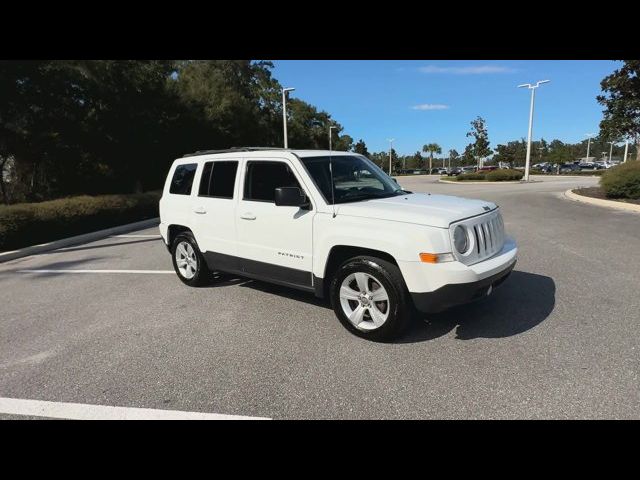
197	273
396	311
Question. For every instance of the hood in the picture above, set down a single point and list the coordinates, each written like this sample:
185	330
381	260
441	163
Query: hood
420	208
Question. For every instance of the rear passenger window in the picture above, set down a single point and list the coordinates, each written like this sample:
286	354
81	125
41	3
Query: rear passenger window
183	179
262	179
218	179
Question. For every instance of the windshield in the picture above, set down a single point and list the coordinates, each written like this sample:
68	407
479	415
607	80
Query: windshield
355	178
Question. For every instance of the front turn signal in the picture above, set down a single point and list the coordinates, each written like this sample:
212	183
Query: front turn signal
436	257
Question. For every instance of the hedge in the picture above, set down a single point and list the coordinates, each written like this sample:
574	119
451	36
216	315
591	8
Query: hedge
499	175
504	175
26	224
622	181
470	176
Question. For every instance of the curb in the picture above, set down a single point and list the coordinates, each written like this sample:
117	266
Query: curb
629	207
84	238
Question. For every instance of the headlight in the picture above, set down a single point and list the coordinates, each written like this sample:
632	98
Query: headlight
460	239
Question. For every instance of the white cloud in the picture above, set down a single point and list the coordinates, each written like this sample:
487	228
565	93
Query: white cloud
430	106
470	70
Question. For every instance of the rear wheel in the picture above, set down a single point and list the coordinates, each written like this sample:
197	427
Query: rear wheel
188	261
369	297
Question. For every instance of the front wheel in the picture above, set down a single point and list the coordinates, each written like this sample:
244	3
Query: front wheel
369	297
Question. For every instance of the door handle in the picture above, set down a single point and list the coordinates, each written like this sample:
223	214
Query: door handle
199	210
248	216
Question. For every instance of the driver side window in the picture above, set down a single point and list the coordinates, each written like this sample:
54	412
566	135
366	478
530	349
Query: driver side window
262	179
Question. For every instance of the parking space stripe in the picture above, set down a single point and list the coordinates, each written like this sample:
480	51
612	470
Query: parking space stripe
82	411
95	271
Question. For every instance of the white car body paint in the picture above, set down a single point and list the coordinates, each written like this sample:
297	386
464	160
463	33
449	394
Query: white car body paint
402	226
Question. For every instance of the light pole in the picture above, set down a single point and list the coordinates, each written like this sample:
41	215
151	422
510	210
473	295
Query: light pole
533	96
626	150
284	113
610	150
330	130
390	150
589	135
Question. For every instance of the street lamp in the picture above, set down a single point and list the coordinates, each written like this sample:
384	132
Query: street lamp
626	150
610	150
588	135
284	113
390	150
533	96
330	129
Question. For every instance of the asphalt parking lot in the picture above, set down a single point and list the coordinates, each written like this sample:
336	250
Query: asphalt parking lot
560	339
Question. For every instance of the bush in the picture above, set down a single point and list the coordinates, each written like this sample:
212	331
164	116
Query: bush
622	181
25	224
470	176
504	175
499	175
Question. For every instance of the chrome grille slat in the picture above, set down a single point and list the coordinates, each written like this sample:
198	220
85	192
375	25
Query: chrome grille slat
487	235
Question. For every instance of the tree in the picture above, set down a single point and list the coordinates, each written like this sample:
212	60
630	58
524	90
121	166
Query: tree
431	148
415	161
361	148
453	156
480	147
621	99
114	126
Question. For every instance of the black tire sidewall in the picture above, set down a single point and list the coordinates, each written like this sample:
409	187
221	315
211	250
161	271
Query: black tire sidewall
201	271
384	273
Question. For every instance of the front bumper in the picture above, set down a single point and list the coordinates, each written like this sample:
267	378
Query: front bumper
436	287
459	293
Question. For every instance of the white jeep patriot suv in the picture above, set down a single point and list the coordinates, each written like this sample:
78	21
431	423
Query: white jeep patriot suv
332	223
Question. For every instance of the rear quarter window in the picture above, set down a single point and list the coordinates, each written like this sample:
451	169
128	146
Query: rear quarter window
183	179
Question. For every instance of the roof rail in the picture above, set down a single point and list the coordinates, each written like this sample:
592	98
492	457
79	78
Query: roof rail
232	149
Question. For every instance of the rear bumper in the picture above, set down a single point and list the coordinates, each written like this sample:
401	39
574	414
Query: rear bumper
459	293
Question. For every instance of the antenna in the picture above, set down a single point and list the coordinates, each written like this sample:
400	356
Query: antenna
333	195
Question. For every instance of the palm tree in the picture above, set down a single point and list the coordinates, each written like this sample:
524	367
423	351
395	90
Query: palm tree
431	148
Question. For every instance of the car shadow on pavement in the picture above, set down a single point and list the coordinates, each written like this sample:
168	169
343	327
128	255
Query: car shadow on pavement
522	302
221	279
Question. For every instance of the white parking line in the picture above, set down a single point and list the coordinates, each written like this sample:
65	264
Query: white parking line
95	271
82	411
135	236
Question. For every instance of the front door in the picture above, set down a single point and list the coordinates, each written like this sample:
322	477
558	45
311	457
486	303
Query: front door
273	242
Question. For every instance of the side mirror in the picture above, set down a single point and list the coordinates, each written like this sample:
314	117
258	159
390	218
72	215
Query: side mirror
290	197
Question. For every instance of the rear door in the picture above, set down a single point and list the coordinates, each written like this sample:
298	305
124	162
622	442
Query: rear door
214	207
274	242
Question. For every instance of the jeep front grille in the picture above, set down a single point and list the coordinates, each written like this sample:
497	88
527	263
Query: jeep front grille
485	235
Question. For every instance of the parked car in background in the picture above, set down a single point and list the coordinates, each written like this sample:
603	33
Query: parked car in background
604	165
455	171
469	169
488	168
569	168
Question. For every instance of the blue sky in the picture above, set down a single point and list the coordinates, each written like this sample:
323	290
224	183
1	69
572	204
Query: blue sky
418	102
